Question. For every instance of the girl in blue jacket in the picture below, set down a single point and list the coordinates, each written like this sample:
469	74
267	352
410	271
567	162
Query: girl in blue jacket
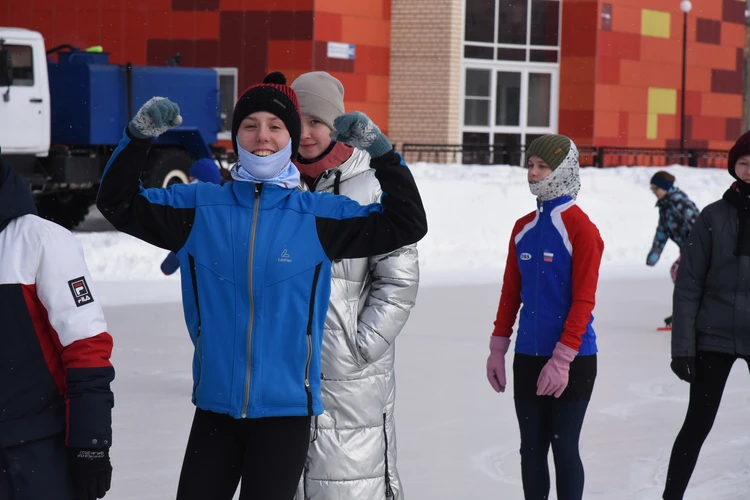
255	263
553	270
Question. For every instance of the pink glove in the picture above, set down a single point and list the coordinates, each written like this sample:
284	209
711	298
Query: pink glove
496	362
554	377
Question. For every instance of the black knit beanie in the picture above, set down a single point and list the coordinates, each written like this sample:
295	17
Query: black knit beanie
273	96
740	149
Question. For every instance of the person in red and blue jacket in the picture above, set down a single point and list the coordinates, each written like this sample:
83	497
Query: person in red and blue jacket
55	370
552	270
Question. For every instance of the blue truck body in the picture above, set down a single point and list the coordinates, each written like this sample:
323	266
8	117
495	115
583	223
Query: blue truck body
91	101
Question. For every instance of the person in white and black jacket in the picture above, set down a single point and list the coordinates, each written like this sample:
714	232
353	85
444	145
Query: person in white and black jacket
55	373
255	262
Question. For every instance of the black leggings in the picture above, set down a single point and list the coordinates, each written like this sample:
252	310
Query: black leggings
711	373
545	421
267	453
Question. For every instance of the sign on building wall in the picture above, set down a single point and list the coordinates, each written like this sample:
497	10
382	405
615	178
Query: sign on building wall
337	50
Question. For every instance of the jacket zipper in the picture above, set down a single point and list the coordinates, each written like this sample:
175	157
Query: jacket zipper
191	260
388	489
251	258
538	272
316	275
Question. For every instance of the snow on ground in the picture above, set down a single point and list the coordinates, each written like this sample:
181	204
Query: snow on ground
456	437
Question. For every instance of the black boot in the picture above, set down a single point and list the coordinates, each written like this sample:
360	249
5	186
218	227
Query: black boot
668	320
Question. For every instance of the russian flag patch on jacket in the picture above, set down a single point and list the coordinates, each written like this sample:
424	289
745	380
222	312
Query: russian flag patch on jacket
548	256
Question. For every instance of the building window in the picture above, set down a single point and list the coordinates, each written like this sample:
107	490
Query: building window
228	93
514	30
511	98
21	58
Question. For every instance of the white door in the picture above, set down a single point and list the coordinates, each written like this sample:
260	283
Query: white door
24	106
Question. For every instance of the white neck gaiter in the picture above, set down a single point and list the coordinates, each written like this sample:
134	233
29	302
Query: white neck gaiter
564	180
273	169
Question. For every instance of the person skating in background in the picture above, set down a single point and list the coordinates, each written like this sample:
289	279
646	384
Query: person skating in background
257	254
353	452
55	371
203	170
711	328
552	271
677	214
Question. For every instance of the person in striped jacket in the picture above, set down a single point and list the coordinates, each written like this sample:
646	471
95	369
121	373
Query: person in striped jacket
552	270
55	373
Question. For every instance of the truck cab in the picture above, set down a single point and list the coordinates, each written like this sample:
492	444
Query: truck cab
24	101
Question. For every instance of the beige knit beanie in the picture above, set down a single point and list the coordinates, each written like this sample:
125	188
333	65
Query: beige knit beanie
320	95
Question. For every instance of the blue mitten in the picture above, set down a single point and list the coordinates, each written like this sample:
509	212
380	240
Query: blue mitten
652	259
155	117
356	129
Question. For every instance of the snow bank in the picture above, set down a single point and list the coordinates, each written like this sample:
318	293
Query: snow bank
471	211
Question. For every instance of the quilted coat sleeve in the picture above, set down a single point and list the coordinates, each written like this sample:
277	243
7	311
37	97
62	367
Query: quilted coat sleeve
688	290
393	292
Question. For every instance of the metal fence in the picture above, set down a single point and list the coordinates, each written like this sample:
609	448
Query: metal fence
589	156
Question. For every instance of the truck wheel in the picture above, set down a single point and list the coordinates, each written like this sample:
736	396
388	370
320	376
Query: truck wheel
167	166
67	208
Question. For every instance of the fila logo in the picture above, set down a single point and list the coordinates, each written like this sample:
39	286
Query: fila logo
80	291
525	256
285	257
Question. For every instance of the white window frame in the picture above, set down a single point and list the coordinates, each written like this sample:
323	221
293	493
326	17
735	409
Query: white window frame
226	136
522	67
512	67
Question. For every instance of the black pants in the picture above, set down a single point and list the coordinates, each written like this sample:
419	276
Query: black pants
711	373
545	421
36	471
267	453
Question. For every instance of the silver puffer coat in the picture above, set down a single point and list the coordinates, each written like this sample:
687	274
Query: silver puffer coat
352	455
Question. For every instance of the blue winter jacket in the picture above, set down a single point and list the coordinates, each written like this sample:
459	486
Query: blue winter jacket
255	264
677	214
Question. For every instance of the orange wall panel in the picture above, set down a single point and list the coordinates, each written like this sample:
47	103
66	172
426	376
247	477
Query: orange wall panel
732	34
698	79
608	70
360	31
626	19
577	96
377	88
723	105
372	60
637	123
578	70
712	56
709	128
650	74
355	86
661	49
371	9
607	124
327	26
668	126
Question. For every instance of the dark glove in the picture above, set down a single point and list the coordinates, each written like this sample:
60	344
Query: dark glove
356	129
170	264
684	368
91	472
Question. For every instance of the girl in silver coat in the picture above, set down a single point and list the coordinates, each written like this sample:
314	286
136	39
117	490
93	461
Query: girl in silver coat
353	450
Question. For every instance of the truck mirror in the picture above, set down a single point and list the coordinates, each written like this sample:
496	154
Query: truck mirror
6	68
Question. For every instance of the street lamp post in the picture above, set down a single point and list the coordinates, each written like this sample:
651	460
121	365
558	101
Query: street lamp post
685	7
